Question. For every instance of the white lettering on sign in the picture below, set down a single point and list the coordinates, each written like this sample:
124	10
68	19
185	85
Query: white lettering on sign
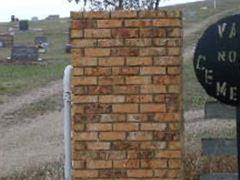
230	56
221	88
233	32
208	76
233	93
199	65
221	29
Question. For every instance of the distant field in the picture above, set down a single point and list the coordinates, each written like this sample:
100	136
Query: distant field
16	79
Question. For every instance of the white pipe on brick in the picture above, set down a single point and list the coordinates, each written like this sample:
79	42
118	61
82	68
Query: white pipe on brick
67	122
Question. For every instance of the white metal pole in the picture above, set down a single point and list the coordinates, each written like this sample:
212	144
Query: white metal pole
215	4
67	122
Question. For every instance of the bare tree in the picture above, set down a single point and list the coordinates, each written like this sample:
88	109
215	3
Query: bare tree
120	4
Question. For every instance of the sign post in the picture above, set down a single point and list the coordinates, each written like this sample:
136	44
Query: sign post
217	65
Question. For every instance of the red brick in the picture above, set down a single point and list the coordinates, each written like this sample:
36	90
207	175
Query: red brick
97	52
153	89
84	80
166	80
169	42
138	42
153	51
99	164
168	154
110	42
85	99
167	23
125	52
113	23
174	32
155	163
111	61
85	136
125	108
139	98
96	14
76	33
76	15
174	70
153	145
126	164
82	24
140	173
111	136
99	127
123	14
153	126
174	89
100	90
97	33
111	99
152	32
139	136
138	23
173	51
98	145
174	163
146	108
138	80
85	62
136	61
167	60
125	70
98	71
79	43
125	126
153	70
126	89
85	173
77	71
125	33
110	80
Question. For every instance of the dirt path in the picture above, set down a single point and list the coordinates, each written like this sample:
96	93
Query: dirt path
41	139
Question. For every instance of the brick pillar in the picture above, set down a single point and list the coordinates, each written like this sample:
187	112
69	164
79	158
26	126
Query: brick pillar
127	95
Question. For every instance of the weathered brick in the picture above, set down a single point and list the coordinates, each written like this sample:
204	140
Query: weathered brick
125	126
76	33
140	173
138	23
98	145
152	88
125	108
173	51
138	42
139	136
84	61
137	61
110	80
174	89
98	71
139	98
110	42
126	89
85	173
97	108
76	15
112	155
83	23
84	80
153	51
99	164
100	90
174	70
174	32
154	163
85	136
153	126
166	80
152	33
168	154
126	164
123	14
146	108
166	23
153	70
110	61
97	52
79	43
166	60
85	99
77	71
99	127
111	99
125	70
96	14
125	33
174	163
169	42
112	136
138	80
97	33
79	164
125	52
113	23
153	145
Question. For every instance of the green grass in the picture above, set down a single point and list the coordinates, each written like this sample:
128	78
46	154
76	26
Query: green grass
16	79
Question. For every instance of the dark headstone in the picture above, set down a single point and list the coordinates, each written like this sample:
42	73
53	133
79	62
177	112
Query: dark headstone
216	60
24	53
40	40
217	110
7	40
12	18
219	147
23	25
219	176
68	48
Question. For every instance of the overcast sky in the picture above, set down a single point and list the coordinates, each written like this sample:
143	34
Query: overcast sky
25	9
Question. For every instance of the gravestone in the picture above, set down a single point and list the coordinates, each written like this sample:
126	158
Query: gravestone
23	25
68	48
41	43
6	40
24	53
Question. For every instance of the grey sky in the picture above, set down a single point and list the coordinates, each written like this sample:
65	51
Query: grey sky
25	9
